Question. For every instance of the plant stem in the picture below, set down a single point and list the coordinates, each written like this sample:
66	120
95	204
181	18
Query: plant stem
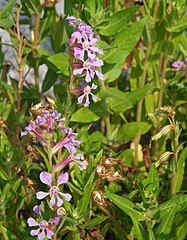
19	59
140	103
163	72
175	158
34	46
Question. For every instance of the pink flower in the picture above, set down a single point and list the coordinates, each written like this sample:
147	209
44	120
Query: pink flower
72	158
43	230
68	142
87	92
89	67
54	191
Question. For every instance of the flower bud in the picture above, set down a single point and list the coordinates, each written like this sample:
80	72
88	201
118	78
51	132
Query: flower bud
164	131
61	211
163	158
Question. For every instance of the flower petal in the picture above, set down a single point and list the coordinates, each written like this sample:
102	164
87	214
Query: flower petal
46	178
41	195
80	99
59	201
52	201
41	236
49	233
37	210
34	232
32	222
66	196
63	178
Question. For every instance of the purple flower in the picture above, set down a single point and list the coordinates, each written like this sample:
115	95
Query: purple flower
73	21
43	230
29	128
54	191
43	125
68	142
89	66
55	220
77	159
178	65
86	46
87	92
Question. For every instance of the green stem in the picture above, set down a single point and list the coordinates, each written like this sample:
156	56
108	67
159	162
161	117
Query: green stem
140	103
164	65
175	158
35	45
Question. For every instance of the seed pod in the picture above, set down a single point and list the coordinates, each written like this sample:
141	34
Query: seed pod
109	162
164	131
99	198
100	170
163	158
113	176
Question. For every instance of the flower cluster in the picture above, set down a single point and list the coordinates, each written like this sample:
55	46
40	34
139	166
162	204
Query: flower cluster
83	46
44	229
179	66
43	128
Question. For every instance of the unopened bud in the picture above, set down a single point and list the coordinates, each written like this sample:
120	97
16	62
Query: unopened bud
163	158
61	211
164	131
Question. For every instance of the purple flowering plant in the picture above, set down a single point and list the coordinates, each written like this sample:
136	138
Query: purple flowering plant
93	120
85	61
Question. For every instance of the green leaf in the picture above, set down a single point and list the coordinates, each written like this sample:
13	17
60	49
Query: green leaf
166	223
49	80
118	21
93	222
180	169
112	71
43	52
88	189
7	234
7	22
41	152
140	233
61	62
150	231
5	11
3	172
125	42
149	31
178	202
139	93
91	114
181	230
151	183
168	47
116	100
126	206
129	130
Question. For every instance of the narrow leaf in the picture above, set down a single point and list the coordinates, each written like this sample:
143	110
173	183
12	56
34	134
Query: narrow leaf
126	206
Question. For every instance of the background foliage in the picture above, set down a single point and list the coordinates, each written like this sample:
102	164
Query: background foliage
139	122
